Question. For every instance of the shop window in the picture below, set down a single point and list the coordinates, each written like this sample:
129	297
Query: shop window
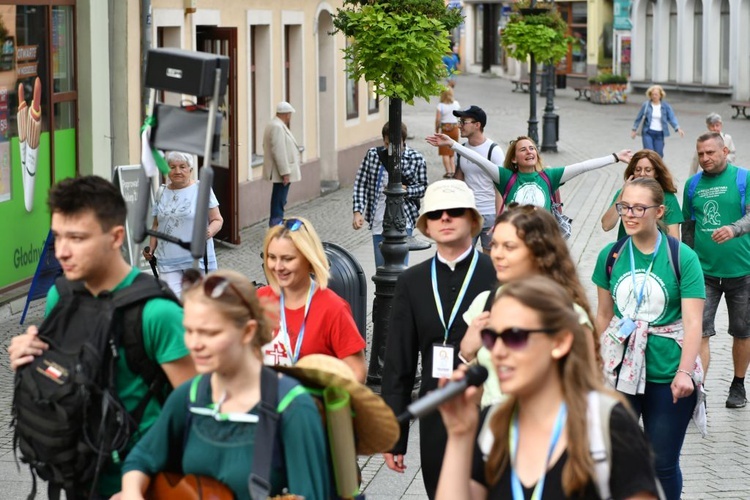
373	100
724	31
63	65
698	42
478	33
673	50
352	96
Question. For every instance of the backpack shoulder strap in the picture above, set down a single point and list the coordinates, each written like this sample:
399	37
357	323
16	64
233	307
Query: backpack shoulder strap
509	185
458	157
613	255
674	256
382	155
742	187
489	152
600	444
691	192
259	482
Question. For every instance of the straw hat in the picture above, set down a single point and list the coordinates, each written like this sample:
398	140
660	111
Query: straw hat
446	194
375	427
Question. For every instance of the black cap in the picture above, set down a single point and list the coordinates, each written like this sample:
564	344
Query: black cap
473	112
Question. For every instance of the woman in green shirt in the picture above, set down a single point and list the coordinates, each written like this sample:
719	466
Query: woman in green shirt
209	428
646	163
650	310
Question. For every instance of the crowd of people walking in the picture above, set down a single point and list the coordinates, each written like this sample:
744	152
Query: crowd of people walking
239	377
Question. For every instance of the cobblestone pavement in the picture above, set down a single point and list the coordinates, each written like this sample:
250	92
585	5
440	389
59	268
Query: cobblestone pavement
713	467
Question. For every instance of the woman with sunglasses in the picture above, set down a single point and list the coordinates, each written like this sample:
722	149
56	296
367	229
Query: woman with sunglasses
650	312
525	242
312	318
647	163
208	425
536	443
524	179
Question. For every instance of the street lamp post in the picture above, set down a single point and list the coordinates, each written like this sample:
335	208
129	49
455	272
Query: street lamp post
549	137
394	247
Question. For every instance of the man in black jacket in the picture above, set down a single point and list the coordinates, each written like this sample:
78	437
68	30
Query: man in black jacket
452	279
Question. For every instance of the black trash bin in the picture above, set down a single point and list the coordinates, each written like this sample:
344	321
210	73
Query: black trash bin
349	282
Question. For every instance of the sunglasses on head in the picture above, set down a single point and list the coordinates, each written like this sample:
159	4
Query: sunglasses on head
513	338
452	212
214	287
292	224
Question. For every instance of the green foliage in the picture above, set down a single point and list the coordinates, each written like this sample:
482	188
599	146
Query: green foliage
398	45
542	33
606	78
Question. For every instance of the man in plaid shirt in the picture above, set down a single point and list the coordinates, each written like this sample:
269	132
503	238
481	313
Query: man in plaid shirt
368	197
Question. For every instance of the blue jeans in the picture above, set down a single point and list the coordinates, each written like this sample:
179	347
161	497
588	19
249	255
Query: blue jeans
665	424
654	140
278	201
377	239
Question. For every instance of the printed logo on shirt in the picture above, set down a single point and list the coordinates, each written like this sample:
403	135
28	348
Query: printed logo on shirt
275	353
711	215
530	193
655	297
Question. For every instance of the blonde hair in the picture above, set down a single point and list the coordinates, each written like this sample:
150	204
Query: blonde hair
656	87
238	309
307	243
510	154
446	96
555	310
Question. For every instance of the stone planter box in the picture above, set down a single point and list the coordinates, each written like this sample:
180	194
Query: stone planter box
610	93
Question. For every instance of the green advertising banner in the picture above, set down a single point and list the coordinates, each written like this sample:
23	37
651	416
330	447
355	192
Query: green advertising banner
622	15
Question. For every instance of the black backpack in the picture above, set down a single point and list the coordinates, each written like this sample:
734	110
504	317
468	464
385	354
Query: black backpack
68	419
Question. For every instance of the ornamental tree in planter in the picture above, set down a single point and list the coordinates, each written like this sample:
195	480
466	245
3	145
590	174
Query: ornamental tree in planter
608	88
540	32
398	46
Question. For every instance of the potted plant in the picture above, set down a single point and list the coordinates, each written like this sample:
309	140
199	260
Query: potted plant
540	32
608	88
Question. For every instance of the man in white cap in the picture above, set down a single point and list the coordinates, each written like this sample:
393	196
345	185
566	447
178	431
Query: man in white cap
452	279
280	159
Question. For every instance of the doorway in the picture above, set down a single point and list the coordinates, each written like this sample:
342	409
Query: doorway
223	41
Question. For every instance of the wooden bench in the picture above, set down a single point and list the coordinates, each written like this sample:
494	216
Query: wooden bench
740	108
522	85
583	92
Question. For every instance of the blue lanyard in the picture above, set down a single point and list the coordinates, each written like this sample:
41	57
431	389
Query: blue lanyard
515	483
459	299
283	328
639	295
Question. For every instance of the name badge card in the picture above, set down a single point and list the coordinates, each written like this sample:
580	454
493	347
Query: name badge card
442	361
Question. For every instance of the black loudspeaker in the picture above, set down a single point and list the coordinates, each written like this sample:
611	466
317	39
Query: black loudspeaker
184	129
185	71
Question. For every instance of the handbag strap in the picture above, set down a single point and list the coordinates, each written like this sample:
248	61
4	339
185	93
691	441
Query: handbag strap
259	482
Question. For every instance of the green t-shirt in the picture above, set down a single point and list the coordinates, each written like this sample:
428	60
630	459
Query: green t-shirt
530	188
163	339
672	215
224	449
716	203
662	298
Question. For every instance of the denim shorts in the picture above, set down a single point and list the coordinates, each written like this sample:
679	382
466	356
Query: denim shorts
486	236
736	293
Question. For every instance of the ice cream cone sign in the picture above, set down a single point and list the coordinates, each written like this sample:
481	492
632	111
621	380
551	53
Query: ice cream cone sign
29	132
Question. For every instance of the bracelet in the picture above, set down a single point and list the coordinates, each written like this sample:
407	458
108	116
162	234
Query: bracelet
689	374
465	361
617	159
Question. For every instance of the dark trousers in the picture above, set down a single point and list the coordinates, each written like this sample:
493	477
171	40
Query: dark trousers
432	441
665	424
278	201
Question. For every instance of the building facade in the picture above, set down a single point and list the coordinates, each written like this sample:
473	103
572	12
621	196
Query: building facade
88	57
692	45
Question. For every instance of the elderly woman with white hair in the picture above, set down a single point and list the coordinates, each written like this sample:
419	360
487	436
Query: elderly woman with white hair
174	214
714	124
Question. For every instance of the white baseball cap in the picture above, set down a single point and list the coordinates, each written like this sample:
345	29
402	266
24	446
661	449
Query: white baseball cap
446	194
284	107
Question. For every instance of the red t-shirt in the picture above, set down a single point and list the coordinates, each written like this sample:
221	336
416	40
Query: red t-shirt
330	328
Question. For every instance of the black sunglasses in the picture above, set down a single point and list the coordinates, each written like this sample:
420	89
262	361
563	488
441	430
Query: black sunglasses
214	287
513	338
452	212
292	224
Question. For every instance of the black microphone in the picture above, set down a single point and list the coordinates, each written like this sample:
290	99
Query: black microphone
475	375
